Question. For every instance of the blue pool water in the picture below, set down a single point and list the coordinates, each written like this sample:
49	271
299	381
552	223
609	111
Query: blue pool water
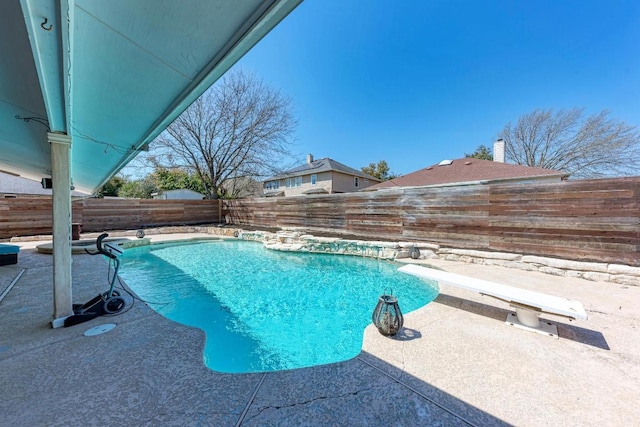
266	310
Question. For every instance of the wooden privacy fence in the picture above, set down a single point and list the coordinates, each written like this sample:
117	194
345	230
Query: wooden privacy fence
590	220
32	216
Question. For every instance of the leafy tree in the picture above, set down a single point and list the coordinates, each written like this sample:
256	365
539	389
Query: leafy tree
112	187
138	189
379	170
482	152
238	128
176	179
585	147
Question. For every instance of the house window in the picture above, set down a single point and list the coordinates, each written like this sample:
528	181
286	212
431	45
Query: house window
314	179
272	185
356	182
294	182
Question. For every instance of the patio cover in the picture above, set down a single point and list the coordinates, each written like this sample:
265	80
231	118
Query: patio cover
85	85
112	74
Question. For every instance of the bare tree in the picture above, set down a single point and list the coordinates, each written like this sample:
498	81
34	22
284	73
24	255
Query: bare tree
585	147
239	128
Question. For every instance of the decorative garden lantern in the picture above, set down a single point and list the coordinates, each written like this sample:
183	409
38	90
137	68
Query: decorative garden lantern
414	252
387	315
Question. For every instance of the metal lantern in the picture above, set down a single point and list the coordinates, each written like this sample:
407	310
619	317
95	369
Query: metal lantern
387	315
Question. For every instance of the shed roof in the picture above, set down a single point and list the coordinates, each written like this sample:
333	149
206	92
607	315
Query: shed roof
180	190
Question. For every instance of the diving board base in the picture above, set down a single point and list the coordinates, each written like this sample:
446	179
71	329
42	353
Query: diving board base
543	328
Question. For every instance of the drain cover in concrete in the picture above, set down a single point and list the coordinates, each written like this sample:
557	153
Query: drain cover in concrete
100	329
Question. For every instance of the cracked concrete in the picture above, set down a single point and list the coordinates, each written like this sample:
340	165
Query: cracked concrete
454	363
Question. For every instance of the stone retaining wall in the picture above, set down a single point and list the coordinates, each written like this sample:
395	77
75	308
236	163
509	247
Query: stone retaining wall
302	242
616	273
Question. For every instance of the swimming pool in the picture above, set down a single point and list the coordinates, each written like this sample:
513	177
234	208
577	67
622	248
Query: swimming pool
266	310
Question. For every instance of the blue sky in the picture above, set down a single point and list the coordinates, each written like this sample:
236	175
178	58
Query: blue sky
414	82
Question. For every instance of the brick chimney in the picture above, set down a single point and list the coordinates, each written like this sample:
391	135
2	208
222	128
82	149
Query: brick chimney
498	151
309	158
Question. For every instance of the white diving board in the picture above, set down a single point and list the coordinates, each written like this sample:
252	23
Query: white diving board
528	304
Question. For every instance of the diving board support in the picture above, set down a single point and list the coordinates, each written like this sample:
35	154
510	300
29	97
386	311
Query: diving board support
543	328
528	318
528	304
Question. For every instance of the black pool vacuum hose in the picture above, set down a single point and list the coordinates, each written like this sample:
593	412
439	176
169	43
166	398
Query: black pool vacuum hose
109	303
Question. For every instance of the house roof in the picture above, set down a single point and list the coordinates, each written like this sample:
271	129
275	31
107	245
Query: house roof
322	165
466	170
17	185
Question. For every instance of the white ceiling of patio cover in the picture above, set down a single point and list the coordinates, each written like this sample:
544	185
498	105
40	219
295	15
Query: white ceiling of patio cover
135	66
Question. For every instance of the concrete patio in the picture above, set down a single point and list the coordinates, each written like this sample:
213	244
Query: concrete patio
455	363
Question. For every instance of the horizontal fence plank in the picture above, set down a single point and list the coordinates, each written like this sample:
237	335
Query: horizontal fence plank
594	220
24	216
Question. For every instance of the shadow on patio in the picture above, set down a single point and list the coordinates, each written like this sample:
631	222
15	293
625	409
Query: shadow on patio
565	331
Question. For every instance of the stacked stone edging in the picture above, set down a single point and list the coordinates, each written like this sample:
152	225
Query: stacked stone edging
302	242
596	271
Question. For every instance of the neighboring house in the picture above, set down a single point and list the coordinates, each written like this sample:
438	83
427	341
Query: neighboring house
12	186
324	176
469	170
181	194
